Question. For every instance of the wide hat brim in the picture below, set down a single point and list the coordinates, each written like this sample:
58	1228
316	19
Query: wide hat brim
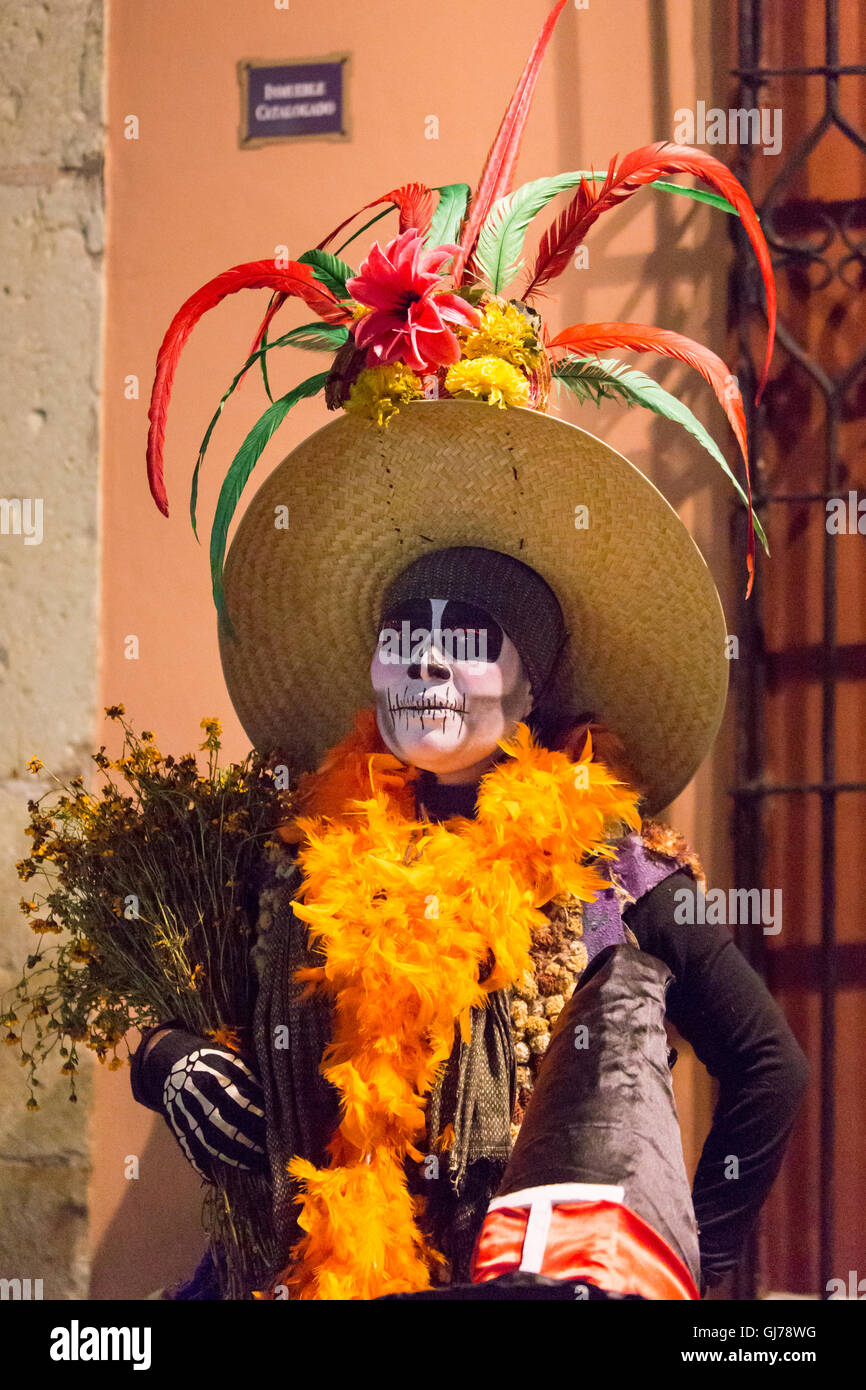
356	502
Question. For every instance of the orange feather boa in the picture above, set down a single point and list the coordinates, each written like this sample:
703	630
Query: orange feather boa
406	913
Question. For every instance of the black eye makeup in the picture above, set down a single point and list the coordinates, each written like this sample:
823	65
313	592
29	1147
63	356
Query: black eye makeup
466	632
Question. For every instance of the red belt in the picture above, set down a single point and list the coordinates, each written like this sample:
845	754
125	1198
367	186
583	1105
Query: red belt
556	1232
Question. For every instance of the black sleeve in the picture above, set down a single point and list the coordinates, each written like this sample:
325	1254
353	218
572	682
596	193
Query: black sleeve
147	1075
722	1007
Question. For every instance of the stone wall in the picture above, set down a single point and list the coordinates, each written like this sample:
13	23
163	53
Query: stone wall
51	225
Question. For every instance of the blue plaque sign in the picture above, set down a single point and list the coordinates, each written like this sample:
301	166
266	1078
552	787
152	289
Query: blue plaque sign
293	100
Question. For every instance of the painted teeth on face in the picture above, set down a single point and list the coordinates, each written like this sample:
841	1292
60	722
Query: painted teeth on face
405	708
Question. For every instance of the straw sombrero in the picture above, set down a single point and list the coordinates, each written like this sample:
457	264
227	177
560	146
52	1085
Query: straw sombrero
430	337
363	502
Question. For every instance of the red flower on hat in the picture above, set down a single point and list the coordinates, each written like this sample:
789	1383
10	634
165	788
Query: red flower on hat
408	313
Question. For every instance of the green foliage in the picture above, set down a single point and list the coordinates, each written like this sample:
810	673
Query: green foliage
500	240
597	379
329	270
136	897
449	213
313	337
240	469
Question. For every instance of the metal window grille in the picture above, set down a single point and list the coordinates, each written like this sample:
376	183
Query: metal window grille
811	240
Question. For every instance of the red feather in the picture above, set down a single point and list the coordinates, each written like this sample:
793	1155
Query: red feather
642	167
277	302
415	202
295	279
586	338
498	173
567	231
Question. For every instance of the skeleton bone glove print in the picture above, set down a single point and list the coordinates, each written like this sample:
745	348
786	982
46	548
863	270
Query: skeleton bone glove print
214	1105
210	1098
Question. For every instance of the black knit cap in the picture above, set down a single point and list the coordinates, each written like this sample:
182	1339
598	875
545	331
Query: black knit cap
522	603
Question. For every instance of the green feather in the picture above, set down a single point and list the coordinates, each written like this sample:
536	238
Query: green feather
314	337
263	364
500	240
355	235
318	337
235	480
700	195
598	379
329	270
450	211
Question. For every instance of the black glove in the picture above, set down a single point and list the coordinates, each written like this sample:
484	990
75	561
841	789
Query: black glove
211	1100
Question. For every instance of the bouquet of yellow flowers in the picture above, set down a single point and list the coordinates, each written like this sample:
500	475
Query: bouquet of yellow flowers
144	913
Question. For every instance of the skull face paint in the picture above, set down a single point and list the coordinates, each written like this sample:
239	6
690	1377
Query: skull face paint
449	684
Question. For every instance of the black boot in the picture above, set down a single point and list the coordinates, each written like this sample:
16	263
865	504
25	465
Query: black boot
602	1114
603	1108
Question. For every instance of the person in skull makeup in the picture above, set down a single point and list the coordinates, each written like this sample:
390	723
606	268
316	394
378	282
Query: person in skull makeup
471	932
594	1195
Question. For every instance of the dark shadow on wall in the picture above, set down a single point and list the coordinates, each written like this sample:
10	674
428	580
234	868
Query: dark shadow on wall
155	1238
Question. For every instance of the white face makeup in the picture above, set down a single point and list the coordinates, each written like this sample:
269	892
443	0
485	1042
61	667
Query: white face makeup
449	684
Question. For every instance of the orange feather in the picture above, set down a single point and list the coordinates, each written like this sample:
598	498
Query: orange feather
585	338
644	166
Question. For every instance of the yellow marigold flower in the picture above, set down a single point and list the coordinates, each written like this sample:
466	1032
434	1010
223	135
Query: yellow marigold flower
68	1068
32	1104
225	1037
115	1063
380	391
115	711
41	927
26	905
34	765
489	378
504	332
11	1039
